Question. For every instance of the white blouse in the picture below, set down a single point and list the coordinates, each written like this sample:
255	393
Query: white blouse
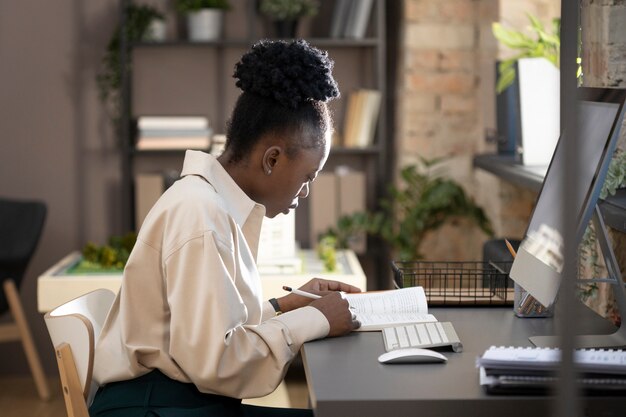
190	303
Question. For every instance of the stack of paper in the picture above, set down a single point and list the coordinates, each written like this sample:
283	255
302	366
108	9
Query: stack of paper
533	370
172	132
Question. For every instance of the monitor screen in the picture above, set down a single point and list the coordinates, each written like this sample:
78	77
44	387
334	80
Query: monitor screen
600	113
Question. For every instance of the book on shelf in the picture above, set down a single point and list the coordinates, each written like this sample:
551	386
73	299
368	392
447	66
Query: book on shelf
361	118
172	123
358	18
173	132
377	310
340	18
164	133
172	143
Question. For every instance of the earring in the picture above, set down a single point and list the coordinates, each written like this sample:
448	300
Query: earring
269	172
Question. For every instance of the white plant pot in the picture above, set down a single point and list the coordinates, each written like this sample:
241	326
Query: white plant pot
539	96
205	25
156	31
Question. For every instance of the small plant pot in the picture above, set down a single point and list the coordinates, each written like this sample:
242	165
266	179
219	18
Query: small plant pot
156	31
205	25
286	28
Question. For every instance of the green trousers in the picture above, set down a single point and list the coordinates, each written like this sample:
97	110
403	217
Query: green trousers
154	394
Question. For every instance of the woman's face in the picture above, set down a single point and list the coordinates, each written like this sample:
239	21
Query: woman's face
290	177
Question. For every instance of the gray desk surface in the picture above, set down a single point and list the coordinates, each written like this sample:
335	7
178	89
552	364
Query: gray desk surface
345	378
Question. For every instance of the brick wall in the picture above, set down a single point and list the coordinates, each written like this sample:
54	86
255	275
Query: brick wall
447	101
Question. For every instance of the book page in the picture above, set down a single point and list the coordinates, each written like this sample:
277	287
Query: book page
403	300
377	310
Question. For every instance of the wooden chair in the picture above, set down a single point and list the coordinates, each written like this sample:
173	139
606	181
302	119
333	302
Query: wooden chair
74	328
21	224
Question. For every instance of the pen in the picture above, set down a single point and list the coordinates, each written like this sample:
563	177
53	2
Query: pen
510	247
302	293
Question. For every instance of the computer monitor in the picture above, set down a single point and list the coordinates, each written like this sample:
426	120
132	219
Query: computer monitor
600	115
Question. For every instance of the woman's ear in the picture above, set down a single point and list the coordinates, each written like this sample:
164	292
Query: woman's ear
270	158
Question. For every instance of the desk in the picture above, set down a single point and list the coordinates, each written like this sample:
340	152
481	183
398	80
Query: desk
345	378
55	286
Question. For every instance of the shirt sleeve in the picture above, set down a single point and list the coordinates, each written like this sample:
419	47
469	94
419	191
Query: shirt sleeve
210	338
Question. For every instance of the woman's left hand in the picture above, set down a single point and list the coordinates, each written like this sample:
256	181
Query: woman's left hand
317	286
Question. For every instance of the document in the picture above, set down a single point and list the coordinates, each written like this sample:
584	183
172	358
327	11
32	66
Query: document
377	310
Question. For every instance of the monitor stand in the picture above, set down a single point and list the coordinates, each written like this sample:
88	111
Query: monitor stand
614	340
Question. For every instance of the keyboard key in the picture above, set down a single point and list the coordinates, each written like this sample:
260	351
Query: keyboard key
432	332
442	333
423	335
402	338
413	339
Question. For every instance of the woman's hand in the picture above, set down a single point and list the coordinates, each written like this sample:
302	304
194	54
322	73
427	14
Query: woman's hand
317	286
336	310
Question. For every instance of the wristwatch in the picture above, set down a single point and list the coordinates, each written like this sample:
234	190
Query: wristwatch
274	303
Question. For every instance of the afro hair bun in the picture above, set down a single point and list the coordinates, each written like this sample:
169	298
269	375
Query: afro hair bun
289	72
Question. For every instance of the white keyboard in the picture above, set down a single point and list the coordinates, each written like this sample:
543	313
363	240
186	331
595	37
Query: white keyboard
422	335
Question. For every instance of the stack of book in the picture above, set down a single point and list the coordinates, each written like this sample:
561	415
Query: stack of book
519	370
350	18
173	132
361	118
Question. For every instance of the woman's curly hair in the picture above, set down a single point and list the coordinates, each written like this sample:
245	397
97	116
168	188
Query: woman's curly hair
289	72
286	86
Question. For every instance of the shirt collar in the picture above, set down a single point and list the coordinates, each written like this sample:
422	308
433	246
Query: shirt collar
238	204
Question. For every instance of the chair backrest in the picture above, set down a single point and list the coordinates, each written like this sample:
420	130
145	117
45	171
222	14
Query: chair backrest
77	324
21	224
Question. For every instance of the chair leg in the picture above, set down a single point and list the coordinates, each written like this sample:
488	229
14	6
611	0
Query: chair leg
27	340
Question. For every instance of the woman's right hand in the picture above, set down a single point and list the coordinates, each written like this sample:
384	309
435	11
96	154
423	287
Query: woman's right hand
336	310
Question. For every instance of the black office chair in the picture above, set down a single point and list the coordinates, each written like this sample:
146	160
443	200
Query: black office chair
21	223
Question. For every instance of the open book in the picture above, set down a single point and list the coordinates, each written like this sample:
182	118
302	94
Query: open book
379	309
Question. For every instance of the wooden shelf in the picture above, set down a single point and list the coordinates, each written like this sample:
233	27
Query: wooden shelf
244	43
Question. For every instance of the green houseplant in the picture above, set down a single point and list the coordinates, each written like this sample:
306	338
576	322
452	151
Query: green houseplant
544	45
110	257
109	79
286	13
188	6
424	202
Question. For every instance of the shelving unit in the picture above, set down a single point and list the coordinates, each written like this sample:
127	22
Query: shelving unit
177	77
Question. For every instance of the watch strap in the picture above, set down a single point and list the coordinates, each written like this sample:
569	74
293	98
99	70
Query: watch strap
274	303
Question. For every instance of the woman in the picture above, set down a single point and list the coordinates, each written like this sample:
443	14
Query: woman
189	333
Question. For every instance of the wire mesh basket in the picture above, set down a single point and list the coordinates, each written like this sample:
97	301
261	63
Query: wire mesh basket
458	283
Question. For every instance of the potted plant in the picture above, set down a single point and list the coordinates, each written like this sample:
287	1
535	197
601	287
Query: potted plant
528	92
204	18
546	45
285	14
423	203
139	27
